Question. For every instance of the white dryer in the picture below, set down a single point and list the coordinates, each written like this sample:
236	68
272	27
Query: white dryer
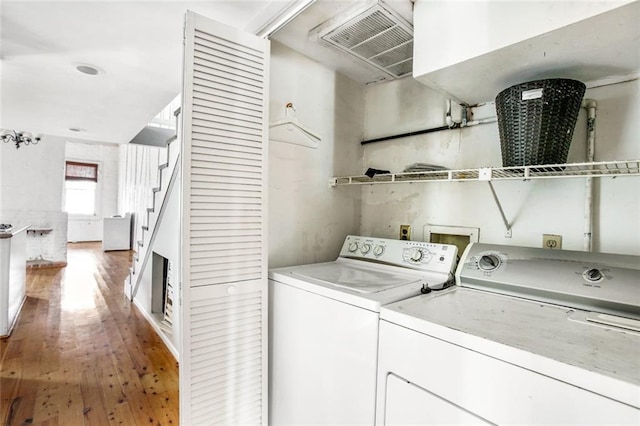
323	334
527	336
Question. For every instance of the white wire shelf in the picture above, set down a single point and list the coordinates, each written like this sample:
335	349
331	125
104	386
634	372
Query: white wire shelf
547	171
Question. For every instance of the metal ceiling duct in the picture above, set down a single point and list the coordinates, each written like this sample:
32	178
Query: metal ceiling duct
376	34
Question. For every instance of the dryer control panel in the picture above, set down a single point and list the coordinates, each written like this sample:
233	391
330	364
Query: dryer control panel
410	254
599	282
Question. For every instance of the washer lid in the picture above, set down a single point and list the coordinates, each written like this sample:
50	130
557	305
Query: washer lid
362	278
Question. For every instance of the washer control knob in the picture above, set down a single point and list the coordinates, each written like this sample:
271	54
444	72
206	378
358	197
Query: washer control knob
378	250
593	274
366	248
353	247
489	262
416	256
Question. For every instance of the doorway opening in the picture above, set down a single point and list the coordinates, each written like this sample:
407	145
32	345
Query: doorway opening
162	292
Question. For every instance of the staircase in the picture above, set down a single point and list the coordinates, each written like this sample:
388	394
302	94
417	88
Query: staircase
152	217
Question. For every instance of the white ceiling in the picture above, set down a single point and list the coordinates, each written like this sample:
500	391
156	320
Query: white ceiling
138	45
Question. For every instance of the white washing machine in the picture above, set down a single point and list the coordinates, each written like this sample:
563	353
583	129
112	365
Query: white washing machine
323	334
527	336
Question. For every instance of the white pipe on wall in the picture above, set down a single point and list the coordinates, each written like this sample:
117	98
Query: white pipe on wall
590	105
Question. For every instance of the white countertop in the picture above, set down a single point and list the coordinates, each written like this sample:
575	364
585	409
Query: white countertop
10	232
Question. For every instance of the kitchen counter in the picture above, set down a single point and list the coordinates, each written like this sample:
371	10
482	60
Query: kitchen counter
13	265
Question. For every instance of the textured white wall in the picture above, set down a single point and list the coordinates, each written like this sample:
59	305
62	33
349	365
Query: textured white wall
31	182
89	228
307	220
534	207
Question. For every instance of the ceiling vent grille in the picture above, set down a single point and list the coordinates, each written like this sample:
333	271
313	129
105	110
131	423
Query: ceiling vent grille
376	35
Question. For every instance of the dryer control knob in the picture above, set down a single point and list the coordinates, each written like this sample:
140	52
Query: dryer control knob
489	262
378	250
366	248
353	247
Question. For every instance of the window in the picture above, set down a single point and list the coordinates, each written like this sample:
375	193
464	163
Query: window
80	181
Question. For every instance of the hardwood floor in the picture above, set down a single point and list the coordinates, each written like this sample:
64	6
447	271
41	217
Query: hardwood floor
81	354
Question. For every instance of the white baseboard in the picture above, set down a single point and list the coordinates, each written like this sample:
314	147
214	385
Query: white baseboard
151	320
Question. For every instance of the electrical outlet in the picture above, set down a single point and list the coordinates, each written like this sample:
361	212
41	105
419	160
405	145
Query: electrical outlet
551	241
405	232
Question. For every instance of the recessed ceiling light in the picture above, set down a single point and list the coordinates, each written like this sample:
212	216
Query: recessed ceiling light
88	69
76	129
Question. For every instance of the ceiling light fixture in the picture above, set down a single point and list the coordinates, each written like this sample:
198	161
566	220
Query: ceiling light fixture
19	137
88	69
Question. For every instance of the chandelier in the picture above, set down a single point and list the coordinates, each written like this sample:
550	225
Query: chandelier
19	137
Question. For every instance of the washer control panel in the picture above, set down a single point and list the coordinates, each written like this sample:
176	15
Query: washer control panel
410	254
591	281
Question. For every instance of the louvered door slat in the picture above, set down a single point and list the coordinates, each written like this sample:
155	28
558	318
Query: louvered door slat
220	259
228	158
199	258
232	51
226	213
242	167
229	107
234	72
243	93
212	93
214	192
215	57
248	53
224	99
204	224
222	150
224	249
201	125
221	180
208	119
240	138
221	233
231	277
204	141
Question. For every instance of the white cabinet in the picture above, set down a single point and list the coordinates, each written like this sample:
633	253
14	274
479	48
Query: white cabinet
13	268
116	233
472	50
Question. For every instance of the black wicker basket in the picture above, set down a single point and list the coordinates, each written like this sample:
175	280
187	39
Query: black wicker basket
536	121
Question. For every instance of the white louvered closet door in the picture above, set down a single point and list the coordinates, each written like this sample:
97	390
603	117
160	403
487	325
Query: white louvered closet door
223	366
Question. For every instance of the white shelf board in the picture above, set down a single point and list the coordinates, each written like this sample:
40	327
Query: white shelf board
600	47
547	171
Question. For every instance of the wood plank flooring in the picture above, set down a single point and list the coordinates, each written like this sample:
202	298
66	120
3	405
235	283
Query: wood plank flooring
81	354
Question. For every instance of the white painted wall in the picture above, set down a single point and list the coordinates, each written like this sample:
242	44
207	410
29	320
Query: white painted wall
138	170
167	245
31	182
534	208
89	228
307	220
139	174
